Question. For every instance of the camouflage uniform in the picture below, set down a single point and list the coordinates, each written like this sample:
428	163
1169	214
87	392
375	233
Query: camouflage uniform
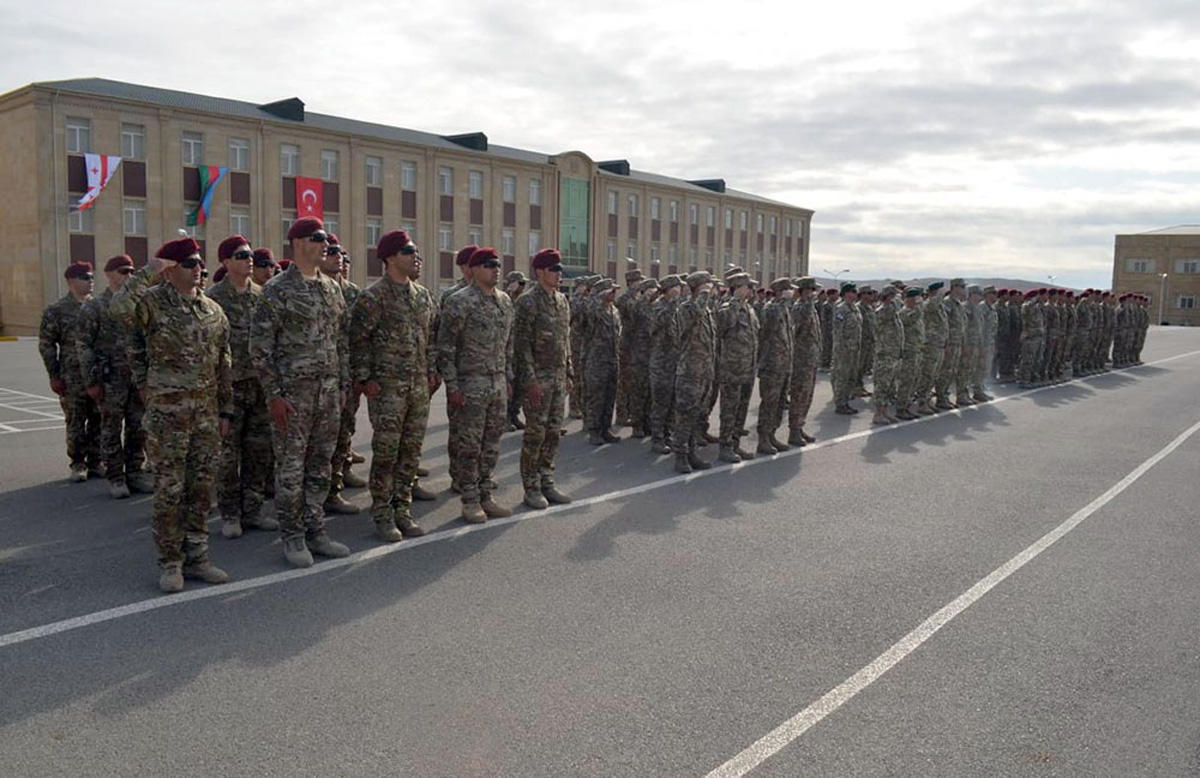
457	286
244	464
1050	347
737	331
58	342
911	354
542	354
341	451
639	367
1032	334
389	344
664	358
847	339
972	350
104	362
889	353
937	331
806	355
867	347
601	361
983	371
299	350
825	307
474	349
624	305
1106	332
694	372
579	304
179	356
774	367
956	329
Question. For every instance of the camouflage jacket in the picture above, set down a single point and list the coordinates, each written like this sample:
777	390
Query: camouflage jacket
601	337
847	327
956	321
806	341
937	326
973	325
239	307
474	338
991	323
441	304
103	342
778	339
737	331
913	321
542	337
1032	323
664	336
58	339
640	322
889	332
297	335
624	303
697	341
390	326
868	326
180	344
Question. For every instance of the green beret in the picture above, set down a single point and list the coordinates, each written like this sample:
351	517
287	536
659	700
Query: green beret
912	291
849	286
936	285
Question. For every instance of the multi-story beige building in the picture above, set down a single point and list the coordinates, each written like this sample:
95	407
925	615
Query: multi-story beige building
446	191
1165	265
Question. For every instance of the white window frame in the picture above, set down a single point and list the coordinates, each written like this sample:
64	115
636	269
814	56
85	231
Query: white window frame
672	254
191	146
613	198
374	231
508	242
710	216
631	251
445	238
411	229
694	214
610	251
475	184
332	222
744	220
655	252
693	258
1187	266
133	216
373	170
758	222
1186	302
633	206
79	222
535	191
133	141
330	165
508	189
446	180
474	236
239	221
289	159
408	176
656	208
673	211
729	218
1138	266
78	135
286	220
239	154
535	242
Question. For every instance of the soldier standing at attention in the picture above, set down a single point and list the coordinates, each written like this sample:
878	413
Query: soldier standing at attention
601	348
514	285
103	358
299	349
265	266
972	345
389	362
984	369
639	355
245	456
694	372
866	306
936	332
889	350
542	367
179	358
333	266
775	365
912	319
58	342
737	331
580	301
1032	332
827	304
664	359
461	261
956	331
806	354
474	350
624	304
847	339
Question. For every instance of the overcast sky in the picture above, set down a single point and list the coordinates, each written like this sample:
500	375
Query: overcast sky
931	138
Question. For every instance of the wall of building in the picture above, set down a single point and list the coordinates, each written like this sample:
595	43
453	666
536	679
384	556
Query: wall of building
1139	262
21	272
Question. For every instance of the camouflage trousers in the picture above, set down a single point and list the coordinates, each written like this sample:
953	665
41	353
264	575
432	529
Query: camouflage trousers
242	469
539	444
800	392
826	348
772	396
639	396
600	395
624	383
122	411
475	430
82	419
662	403
908	377
691	408
735	405
576	395
1031	349
399	415
845	372
962	371
948	372
714	392
302	454
887	375
866	364
182	440
341	451
931	365
981	370
1079	353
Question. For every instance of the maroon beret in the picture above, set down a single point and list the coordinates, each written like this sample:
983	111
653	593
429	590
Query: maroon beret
119	261
1106	294
1031	293
302	228
391	243
479	256
217	276
546	258
180	248
78	270
230	245
264	254
333	239
464	254
284	264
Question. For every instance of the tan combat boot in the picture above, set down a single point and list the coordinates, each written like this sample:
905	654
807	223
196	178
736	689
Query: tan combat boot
171	578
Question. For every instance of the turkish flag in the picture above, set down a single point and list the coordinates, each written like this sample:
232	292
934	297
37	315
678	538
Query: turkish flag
310	198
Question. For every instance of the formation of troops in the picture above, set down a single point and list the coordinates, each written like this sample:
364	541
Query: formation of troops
251	385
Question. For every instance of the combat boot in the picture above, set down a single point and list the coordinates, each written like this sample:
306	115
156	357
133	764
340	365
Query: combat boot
472	513
982	397
268	523
775	442
422	472
140	482
796	437
353	479
924	410
323	545
595	439
408	527
421	493
727	454
659	446
608	436
807	437
493	510
741	452
79	473
879	417
682	464
516	422
764	446
963	401
171	578
844	410
905	414
536	500
708	437
118	490
295	550
552	494
205	571
696	462
231	528
356	458
338	504
385	530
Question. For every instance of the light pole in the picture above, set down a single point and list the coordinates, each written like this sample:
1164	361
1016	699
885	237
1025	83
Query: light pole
835	275
1162	295
1051	277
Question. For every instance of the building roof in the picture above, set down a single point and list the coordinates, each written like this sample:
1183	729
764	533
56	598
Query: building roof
1179	229
121	90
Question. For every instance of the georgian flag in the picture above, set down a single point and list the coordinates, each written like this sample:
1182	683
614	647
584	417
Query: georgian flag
100	169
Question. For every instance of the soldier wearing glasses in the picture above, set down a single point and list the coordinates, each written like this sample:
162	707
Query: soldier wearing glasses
299	349
265	266
335	264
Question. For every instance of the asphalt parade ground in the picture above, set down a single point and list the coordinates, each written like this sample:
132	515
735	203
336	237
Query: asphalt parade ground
1008	589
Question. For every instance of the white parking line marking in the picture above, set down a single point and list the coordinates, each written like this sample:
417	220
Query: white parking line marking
110	614
775	740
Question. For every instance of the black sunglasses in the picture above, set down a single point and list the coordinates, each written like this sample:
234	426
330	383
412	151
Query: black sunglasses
191	262
86	277
408	248
319	237
263	263
204	274
333	250
555	268
243	254
491	264
125	270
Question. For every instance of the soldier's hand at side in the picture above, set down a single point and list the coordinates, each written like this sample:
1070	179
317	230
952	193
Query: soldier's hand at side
226	427
96	392
372	389
435	381
281	411
456	399
533	395
509	384
58	386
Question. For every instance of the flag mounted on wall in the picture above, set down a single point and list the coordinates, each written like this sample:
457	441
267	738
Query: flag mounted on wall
100	169
210	176
310	197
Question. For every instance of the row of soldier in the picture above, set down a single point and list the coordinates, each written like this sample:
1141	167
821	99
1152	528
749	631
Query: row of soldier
254	385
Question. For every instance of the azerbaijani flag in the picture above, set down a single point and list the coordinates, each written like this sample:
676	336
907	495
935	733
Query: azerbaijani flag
210	176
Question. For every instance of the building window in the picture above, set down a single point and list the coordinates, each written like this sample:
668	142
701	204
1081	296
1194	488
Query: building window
673	210
1137	265
331	222
693	214
445	238
742	258
610	251
289	218
612	203
239	222
654	251
192	144
655	208
508	188
134	212
633	205
744	219
329	165
787	228
411	229
708	259
374	172
1187	266
758	222
672	255
508	243
535	242
711	216
289	159
239	154
133	141
408	176
78	221
196	230
446	180
374	231
79	135
729	218
474	236
475	184
1187	302
774	224
535	191
693	257
631	251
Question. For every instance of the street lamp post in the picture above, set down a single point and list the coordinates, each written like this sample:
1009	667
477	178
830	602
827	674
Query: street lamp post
835	275
1162	295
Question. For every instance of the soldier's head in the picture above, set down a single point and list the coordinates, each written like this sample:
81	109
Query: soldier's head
485	268
236	257
958	288
265	266
547	268
80	279
912	296
463	260
648	288
974	293
806	286
309	241
849	291
739	285
187	265
700	283
989	294
399	255
330	260
117	271
514	283
783	288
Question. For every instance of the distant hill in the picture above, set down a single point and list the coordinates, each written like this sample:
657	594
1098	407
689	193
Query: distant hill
999	283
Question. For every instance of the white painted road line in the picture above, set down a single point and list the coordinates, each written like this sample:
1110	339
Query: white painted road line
775	740
66	625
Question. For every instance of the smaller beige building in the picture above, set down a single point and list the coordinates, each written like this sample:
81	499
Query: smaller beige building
1164	265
